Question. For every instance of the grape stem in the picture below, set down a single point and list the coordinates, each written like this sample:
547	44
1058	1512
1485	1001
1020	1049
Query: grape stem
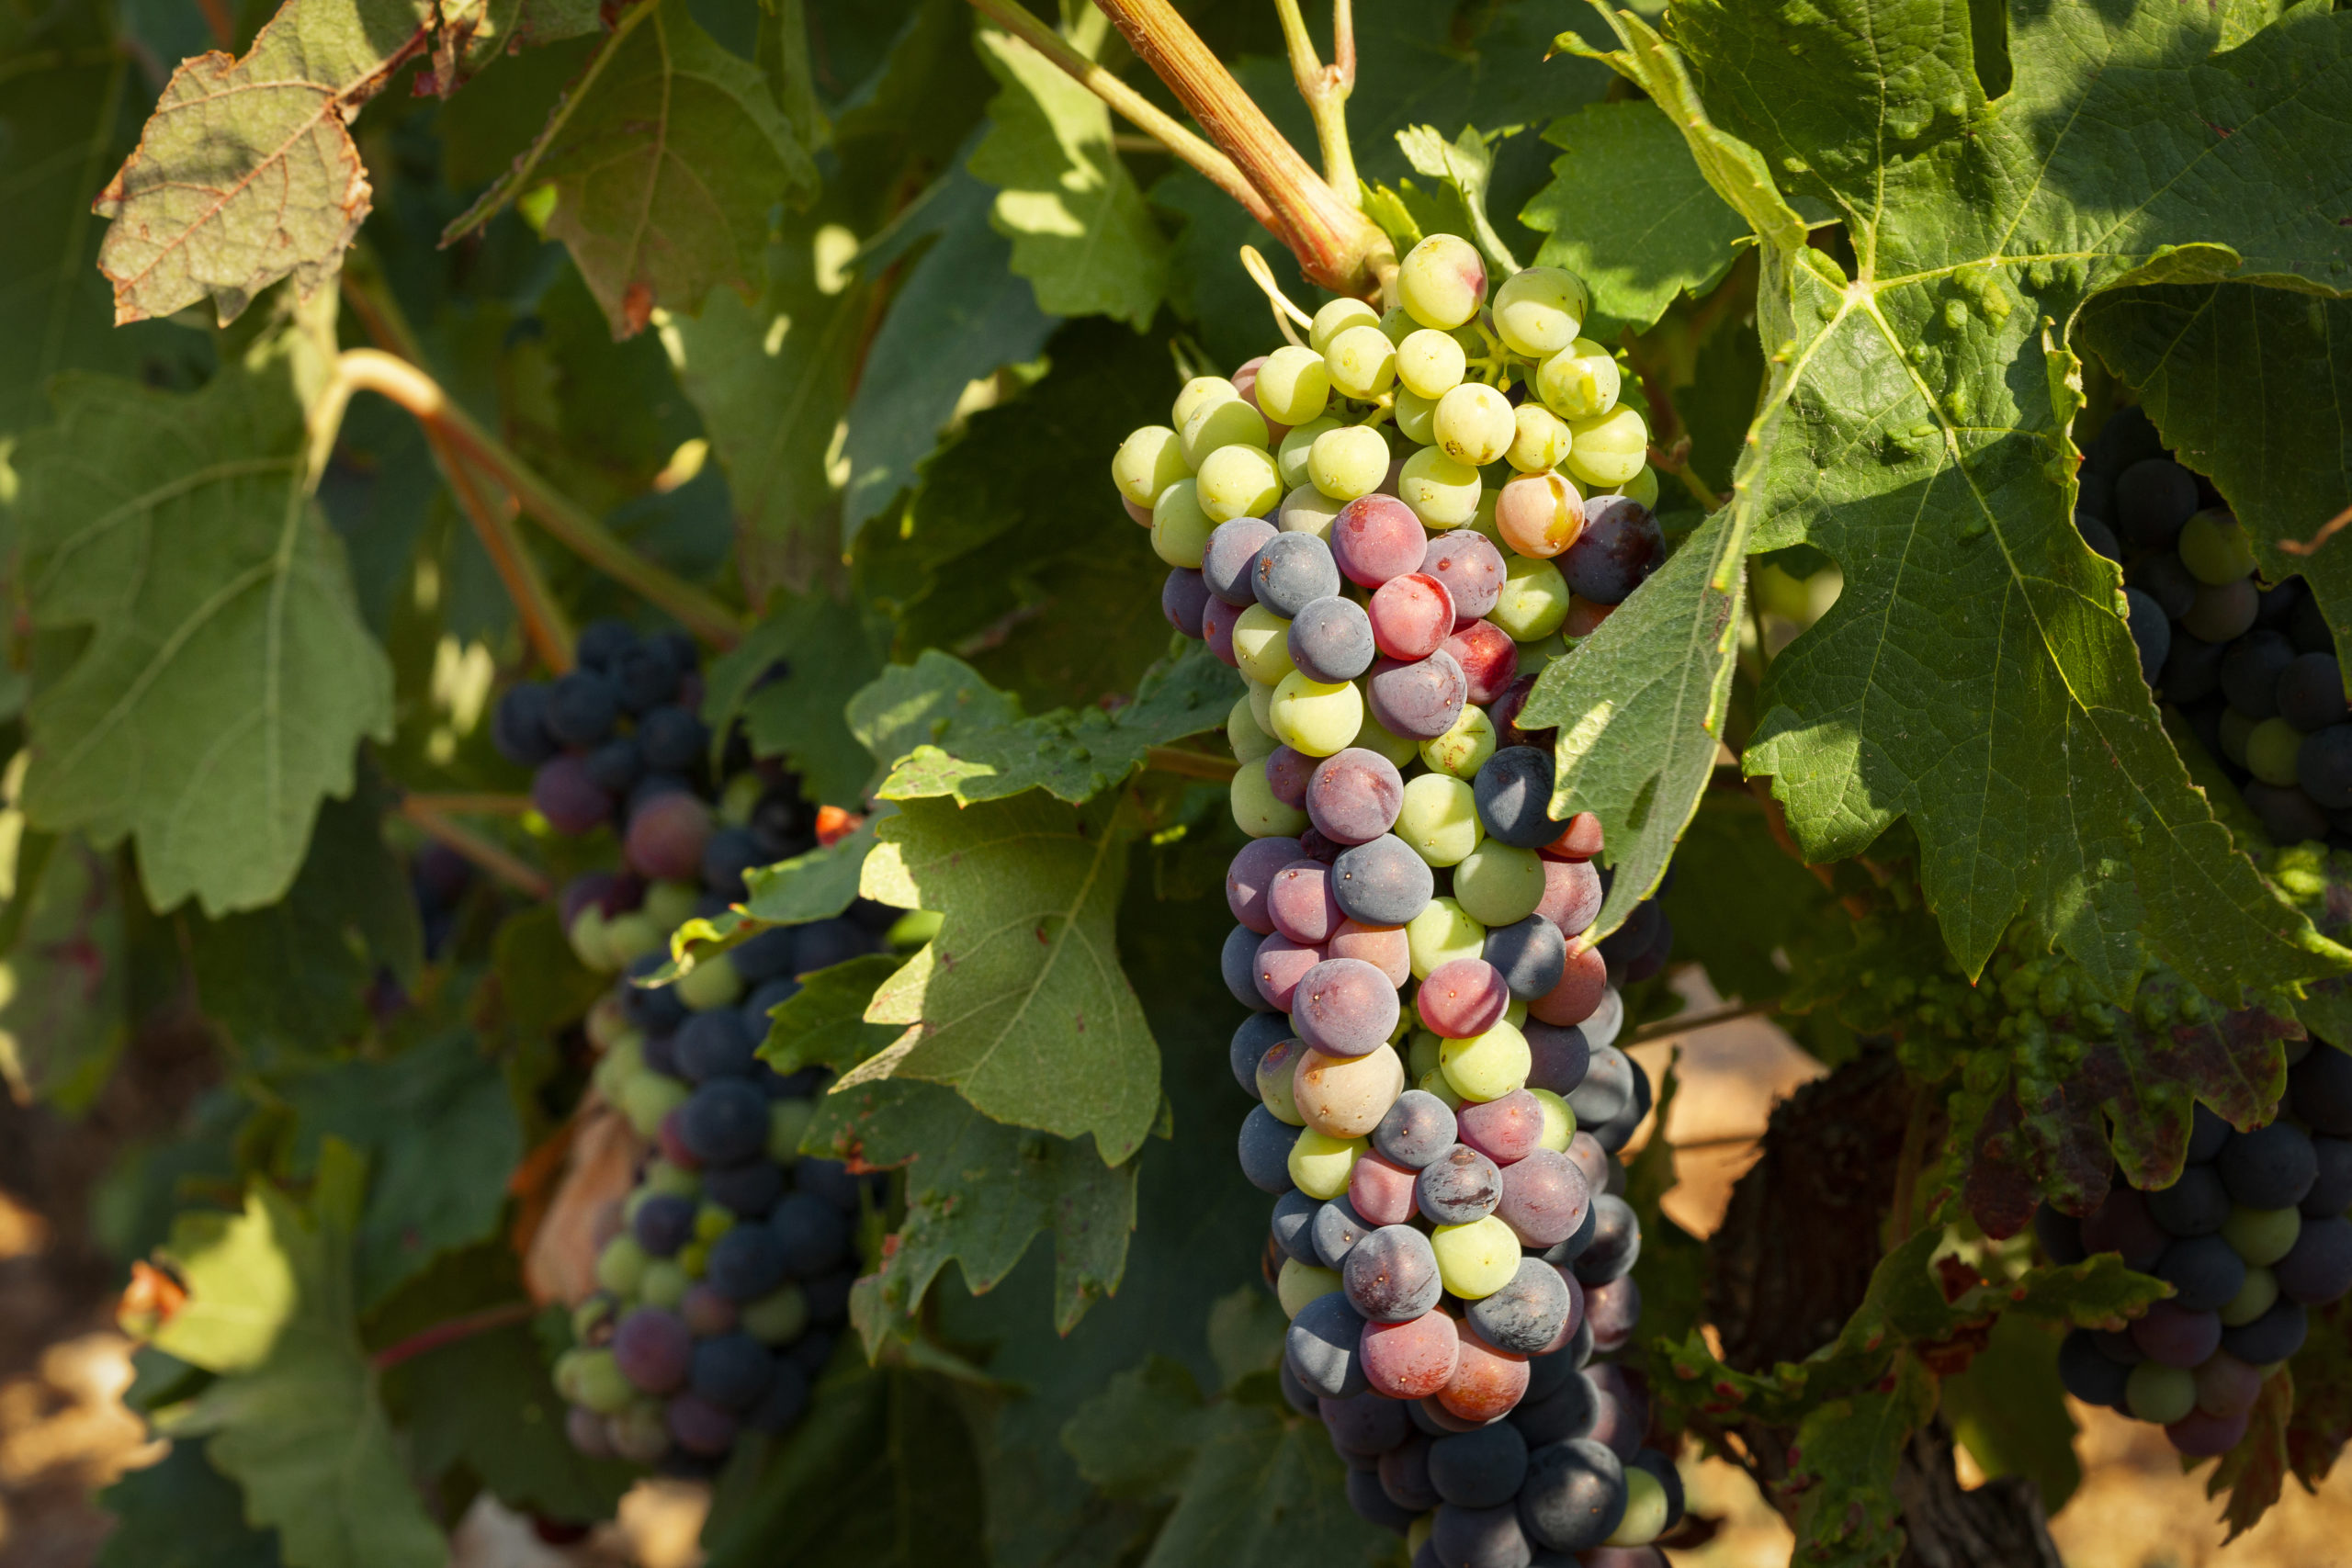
1190	765
2327	530
449	1331
483	851
1326	89
482	804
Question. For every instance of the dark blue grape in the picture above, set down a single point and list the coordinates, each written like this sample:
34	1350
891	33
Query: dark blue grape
1480	1469
1391	1276
1405	1471
617	765
1229	561
601	642
1382	883
766	959
1513	790
1606	1090
2270	1167
2250	671
726	856
662	1055
2311	691
518	725
1560	1401
835	1183
1580	1239
731	1371
664	1223
2127	436
1616	1242
656	1010
820	945
746	1190
2204	1271
1574	1496
2095	496
653	788
2307	627
687	657
1266	1150
1293	571
1322	1347
1530	954
2323	767
814	1234
1294	1226
2060	1235
1419	1129
2287	814
1330	639
1259	1033
2088	1375
1526	1315
2208	1131
1619	548
2318	1268
2099	536
716	1044
726	1121
2164	578
785	825
2153	499
1367	1424
2192	670
1182	598
2331	1194
675	741
1561	1057
2319	1088
1480	1538
1372	1504
1238	963
2151	631
2275	1336
785	1401
2196	1204
1335	1230
582	708
745	1264
1632	939
644	676
1295	1395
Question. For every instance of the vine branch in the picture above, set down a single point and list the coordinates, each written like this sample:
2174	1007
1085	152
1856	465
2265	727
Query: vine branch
482	804
1326	89
448	1332
483	851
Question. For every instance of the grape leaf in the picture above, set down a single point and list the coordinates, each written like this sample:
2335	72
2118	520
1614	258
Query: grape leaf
1842	1469
294	1418
824	1023
1205	285
64	989
961	312
814	887
181	1513
1629	212
2321	1421
952	734
1466	167
475	32
2254	1471
1019	1001
2008	1408
977	1191
665	158
214	704
820	650
246	172
2252	386
1080	233
1976	675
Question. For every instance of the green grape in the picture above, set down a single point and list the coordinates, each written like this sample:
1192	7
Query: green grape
1321	1163
1610	448
1317	717
1277	1072
2256	1296
2159	1393
1441	281
1261	645
664	1285
1434	1082
1462	749
1309	510
2262	1235
1256	811
1439	819
2272	748
1559	1120
620	1266
1646	1509
1497	885
1580	381
1443	493
1290	456
1377	737
1147	462
1292	385
1250	740
587	935
1488	1065
1299	1283
1474	425
1396	325
676	1180
1541	440
640	1434
646	1099
1198	393
1440	934
1238	482
2236	730
1261	703
1226	423
1477	1260
741	799
713	983
778	1318
1337	316
1416	417
1179	526
1362	363
695	1258
671	904
1534	601
711	1222
1535	656
1348	462
787	1121
602	1388
2214	548
1429	363
632	936
1422	1058
1516	1015
1540	310
1642	488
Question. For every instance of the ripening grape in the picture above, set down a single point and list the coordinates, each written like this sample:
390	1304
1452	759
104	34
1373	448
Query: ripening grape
1429	363
1180	525
1539	310
1442	282
1580	381
1474	425
1361	362
1149	461
1292	386
1610	448
1440	491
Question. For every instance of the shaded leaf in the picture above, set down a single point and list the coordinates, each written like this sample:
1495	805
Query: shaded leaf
1140	1435
790	680
181	1513
1466	166
1842	1470
824	1023
64	987
2321	1421
2008	1409
2254	1473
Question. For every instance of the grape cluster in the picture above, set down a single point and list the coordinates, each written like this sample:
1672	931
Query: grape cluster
2253	669
439	877
2253	1235
1389	532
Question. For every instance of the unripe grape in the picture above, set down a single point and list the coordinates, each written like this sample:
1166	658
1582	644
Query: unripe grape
1318	717
1238	482
1539	311
1147	462
1439	820
1307	510
1535	601
1497	885
1198	393
1462	749
1580	381
1250	743
2214	548
1349	462
1610	448
1646	1511
1542	439
1362	363
1642	488
1180	526
1474	425
1441	281
1321	1163
1292	386
1299	1283
1257	812
1290	456
1262	643
1337	316
1224	423
1441	934
1429	363
1416	417
1559	1121
1441	492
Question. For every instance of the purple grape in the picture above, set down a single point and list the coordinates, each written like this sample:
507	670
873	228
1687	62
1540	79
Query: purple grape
1545	1199
1287	770
653	1348
664	1223
726	1121
1420	699
1182	598
1526	1315
1366	1423
2318	1268
1616	1242
1266	1150
1330	639
518	725
707	1312
716	1044
1371	1502
2270	1167
1382	882
666	837
1560	1056
564	793
1481	1469
1291	571
1574	1496
1416	1129
1355	795
1252	874
1315	845
745	1264
1513	790
1470	566
1376	538
1229	563
1344	1007
1572	895
1505	1128
700	1426
1280	965
1335	1231
728	854
1322	1347
1217	619
731	1371
1462	999
1619	548
1623	1412
1300	900
2177	1335
746	1190
1530	955
1390	1276
1459	1186
1615	1310
1237	963
2323	767
1259	1033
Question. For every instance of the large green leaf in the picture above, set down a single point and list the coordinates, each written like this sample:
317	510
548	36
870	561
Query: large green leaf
790	680
181	1513
1019	1001
665	157
977	1191
1629	212
294	1418
216	702
2252	386
1976	675
1080	233
824	1023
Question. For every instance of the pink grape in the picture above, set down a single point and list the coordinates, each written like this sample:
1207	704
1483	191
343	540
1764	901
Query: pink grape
666	838
1385	948
1578	992
1217	629
700	1426
1487	1383
1381	1190
1580	839
1505	1130
653	1348
2175	1336
1625	1401
2200	1435
564	793
1182	597
1471	569
1576	1310
1544	1198
1591	1162
2227	1386
1410	1360
1411	615
1281	963
1344	1007
1353	796
1420	699
1251	877
1489	659
1299	899
1462	999
1376	538
1572	895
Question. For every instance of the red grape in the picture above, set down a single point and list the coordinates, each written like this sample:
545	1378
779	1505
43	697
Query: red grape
1489	659
1411	616
1462	999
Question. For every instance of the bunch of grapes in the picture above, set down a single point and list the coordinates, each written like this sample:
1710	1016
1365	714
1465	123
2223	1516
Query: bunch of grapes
2251	1236
1388	532
2253	669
